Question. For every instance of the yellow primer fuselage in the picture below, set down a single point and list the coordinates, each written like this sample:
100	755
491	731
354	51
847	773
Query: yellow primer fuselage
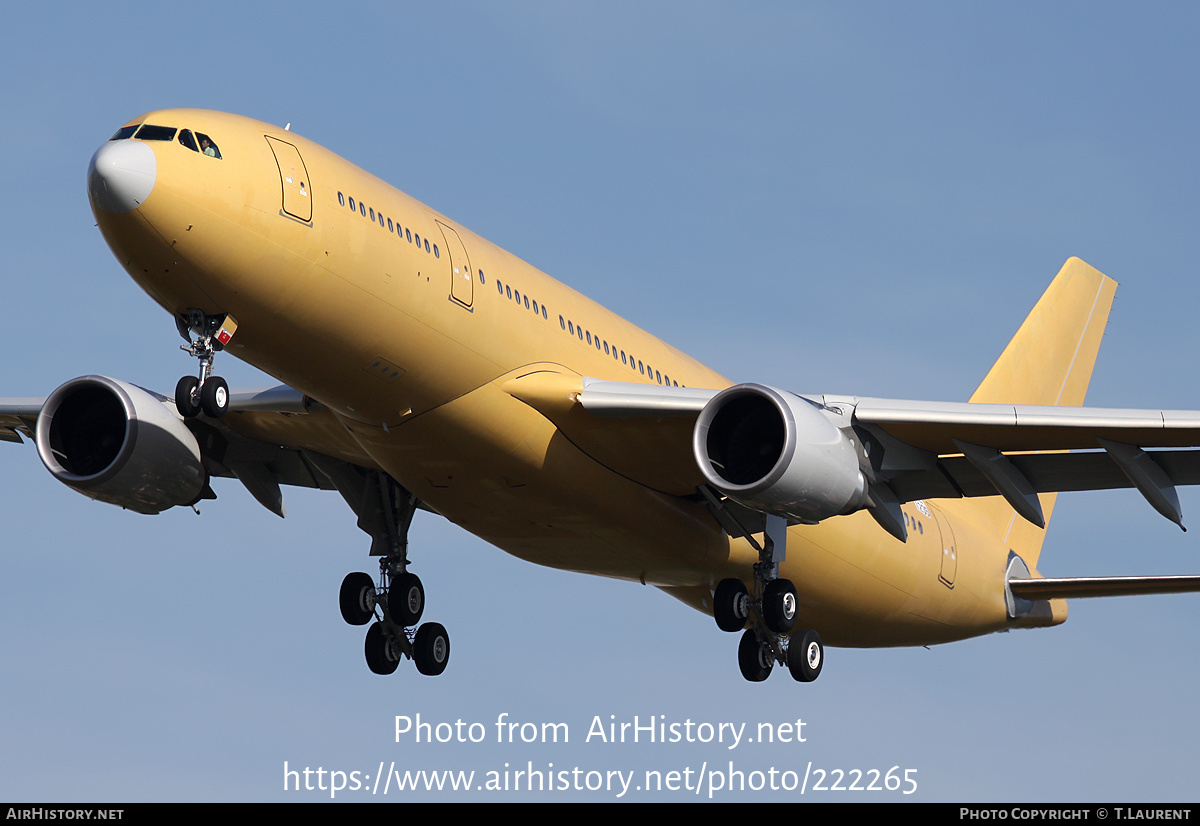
414	359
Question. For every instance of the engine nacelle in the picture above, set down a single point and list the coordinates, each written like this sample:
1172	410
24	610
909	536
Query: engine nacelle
777	453
117	443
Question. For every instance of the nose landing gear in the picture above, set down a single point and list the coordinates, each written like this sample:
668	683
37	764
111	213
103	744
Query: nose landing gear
207	393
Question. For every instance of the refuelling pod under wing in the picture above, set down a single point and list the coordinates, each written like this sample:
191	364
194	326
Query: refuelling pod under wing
117	443
778	453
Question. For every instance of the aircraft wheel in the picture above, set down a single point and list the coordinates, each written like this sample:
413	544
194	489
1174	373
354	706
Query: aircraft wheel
730	607
806	655
357	599
406	600
214	397
431	649
185	397
753	659
779	605
382	656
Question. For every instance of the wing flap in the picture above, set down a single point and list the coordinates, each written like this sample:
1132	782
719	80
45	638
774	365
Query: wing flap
955	476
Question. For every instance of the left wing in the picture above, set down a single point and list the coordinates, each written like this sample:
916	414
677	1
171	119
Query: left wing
676	439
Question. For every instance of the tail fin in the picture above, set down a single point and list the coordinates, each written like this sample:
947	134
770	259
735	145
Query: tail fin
1048	361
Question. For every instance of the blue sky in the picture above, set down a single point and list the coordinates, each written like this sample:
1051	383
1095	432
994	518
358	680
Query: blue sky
860	199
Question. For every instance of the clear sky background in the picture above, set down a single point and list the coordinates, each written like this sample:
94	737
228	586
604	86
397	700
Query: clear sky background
847	198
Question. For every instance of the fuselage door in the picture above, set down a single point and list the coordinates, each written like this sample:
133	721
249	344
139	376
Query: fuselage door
297	188
462	280
949	565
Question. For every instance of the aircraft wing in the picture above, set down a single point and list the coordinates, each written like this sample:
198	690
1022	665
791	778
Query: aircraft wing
911	450
18	416
270	437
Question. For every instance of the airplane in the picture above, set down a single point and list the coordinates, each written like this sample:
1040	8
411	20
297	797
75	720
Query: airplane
425	368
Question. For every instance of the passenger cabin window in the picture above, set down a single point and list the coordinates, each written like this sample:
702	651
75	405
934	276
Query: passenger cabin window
124	132
185	137
155	133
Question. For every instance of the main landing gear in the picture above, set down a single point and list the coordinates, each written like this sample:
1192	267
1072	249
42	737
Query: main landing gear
394	606
208	393
399	600
770	612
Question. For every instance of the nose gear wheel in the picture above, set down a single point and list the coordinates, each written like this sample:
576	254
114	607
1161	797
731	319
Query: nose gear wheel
207	393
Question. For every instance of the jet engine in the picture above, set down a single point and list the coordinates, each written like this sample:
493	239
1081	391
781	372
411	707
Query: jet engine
117	443
778	453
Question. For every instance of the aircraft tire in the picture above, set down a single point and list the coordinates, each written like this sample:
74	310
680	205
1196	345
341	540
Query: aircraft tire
431	649
357	599
779	605
729	605
214	397
755	667
806	656
382	658
185	397
406	600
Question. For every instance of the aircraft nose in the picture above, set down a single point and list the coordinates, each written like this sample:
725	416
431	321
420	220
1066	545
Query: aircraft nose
121	175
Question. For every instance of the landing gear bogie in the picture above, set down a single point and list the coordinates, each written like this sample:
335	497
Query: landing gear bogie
396	601
767	610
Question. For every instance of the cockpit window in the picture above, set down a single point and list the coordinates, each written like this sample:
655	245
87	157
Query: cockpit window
155	133
207	146
124	132
185	137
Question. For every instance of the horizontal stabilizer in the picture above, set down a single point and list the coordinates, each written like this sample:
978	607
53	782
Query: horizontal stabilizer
1102	586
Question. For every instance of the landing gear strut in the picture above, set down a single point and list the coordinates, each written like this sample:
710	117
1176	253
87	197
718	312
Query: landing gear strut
770	610
396	603
208	393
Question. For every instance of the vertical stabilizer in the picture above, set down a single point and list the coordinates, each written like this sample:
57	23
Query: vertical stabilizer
1048	361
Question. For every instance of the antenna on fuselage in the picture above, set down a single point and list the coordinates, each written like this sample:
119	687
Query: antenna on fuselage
288	128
